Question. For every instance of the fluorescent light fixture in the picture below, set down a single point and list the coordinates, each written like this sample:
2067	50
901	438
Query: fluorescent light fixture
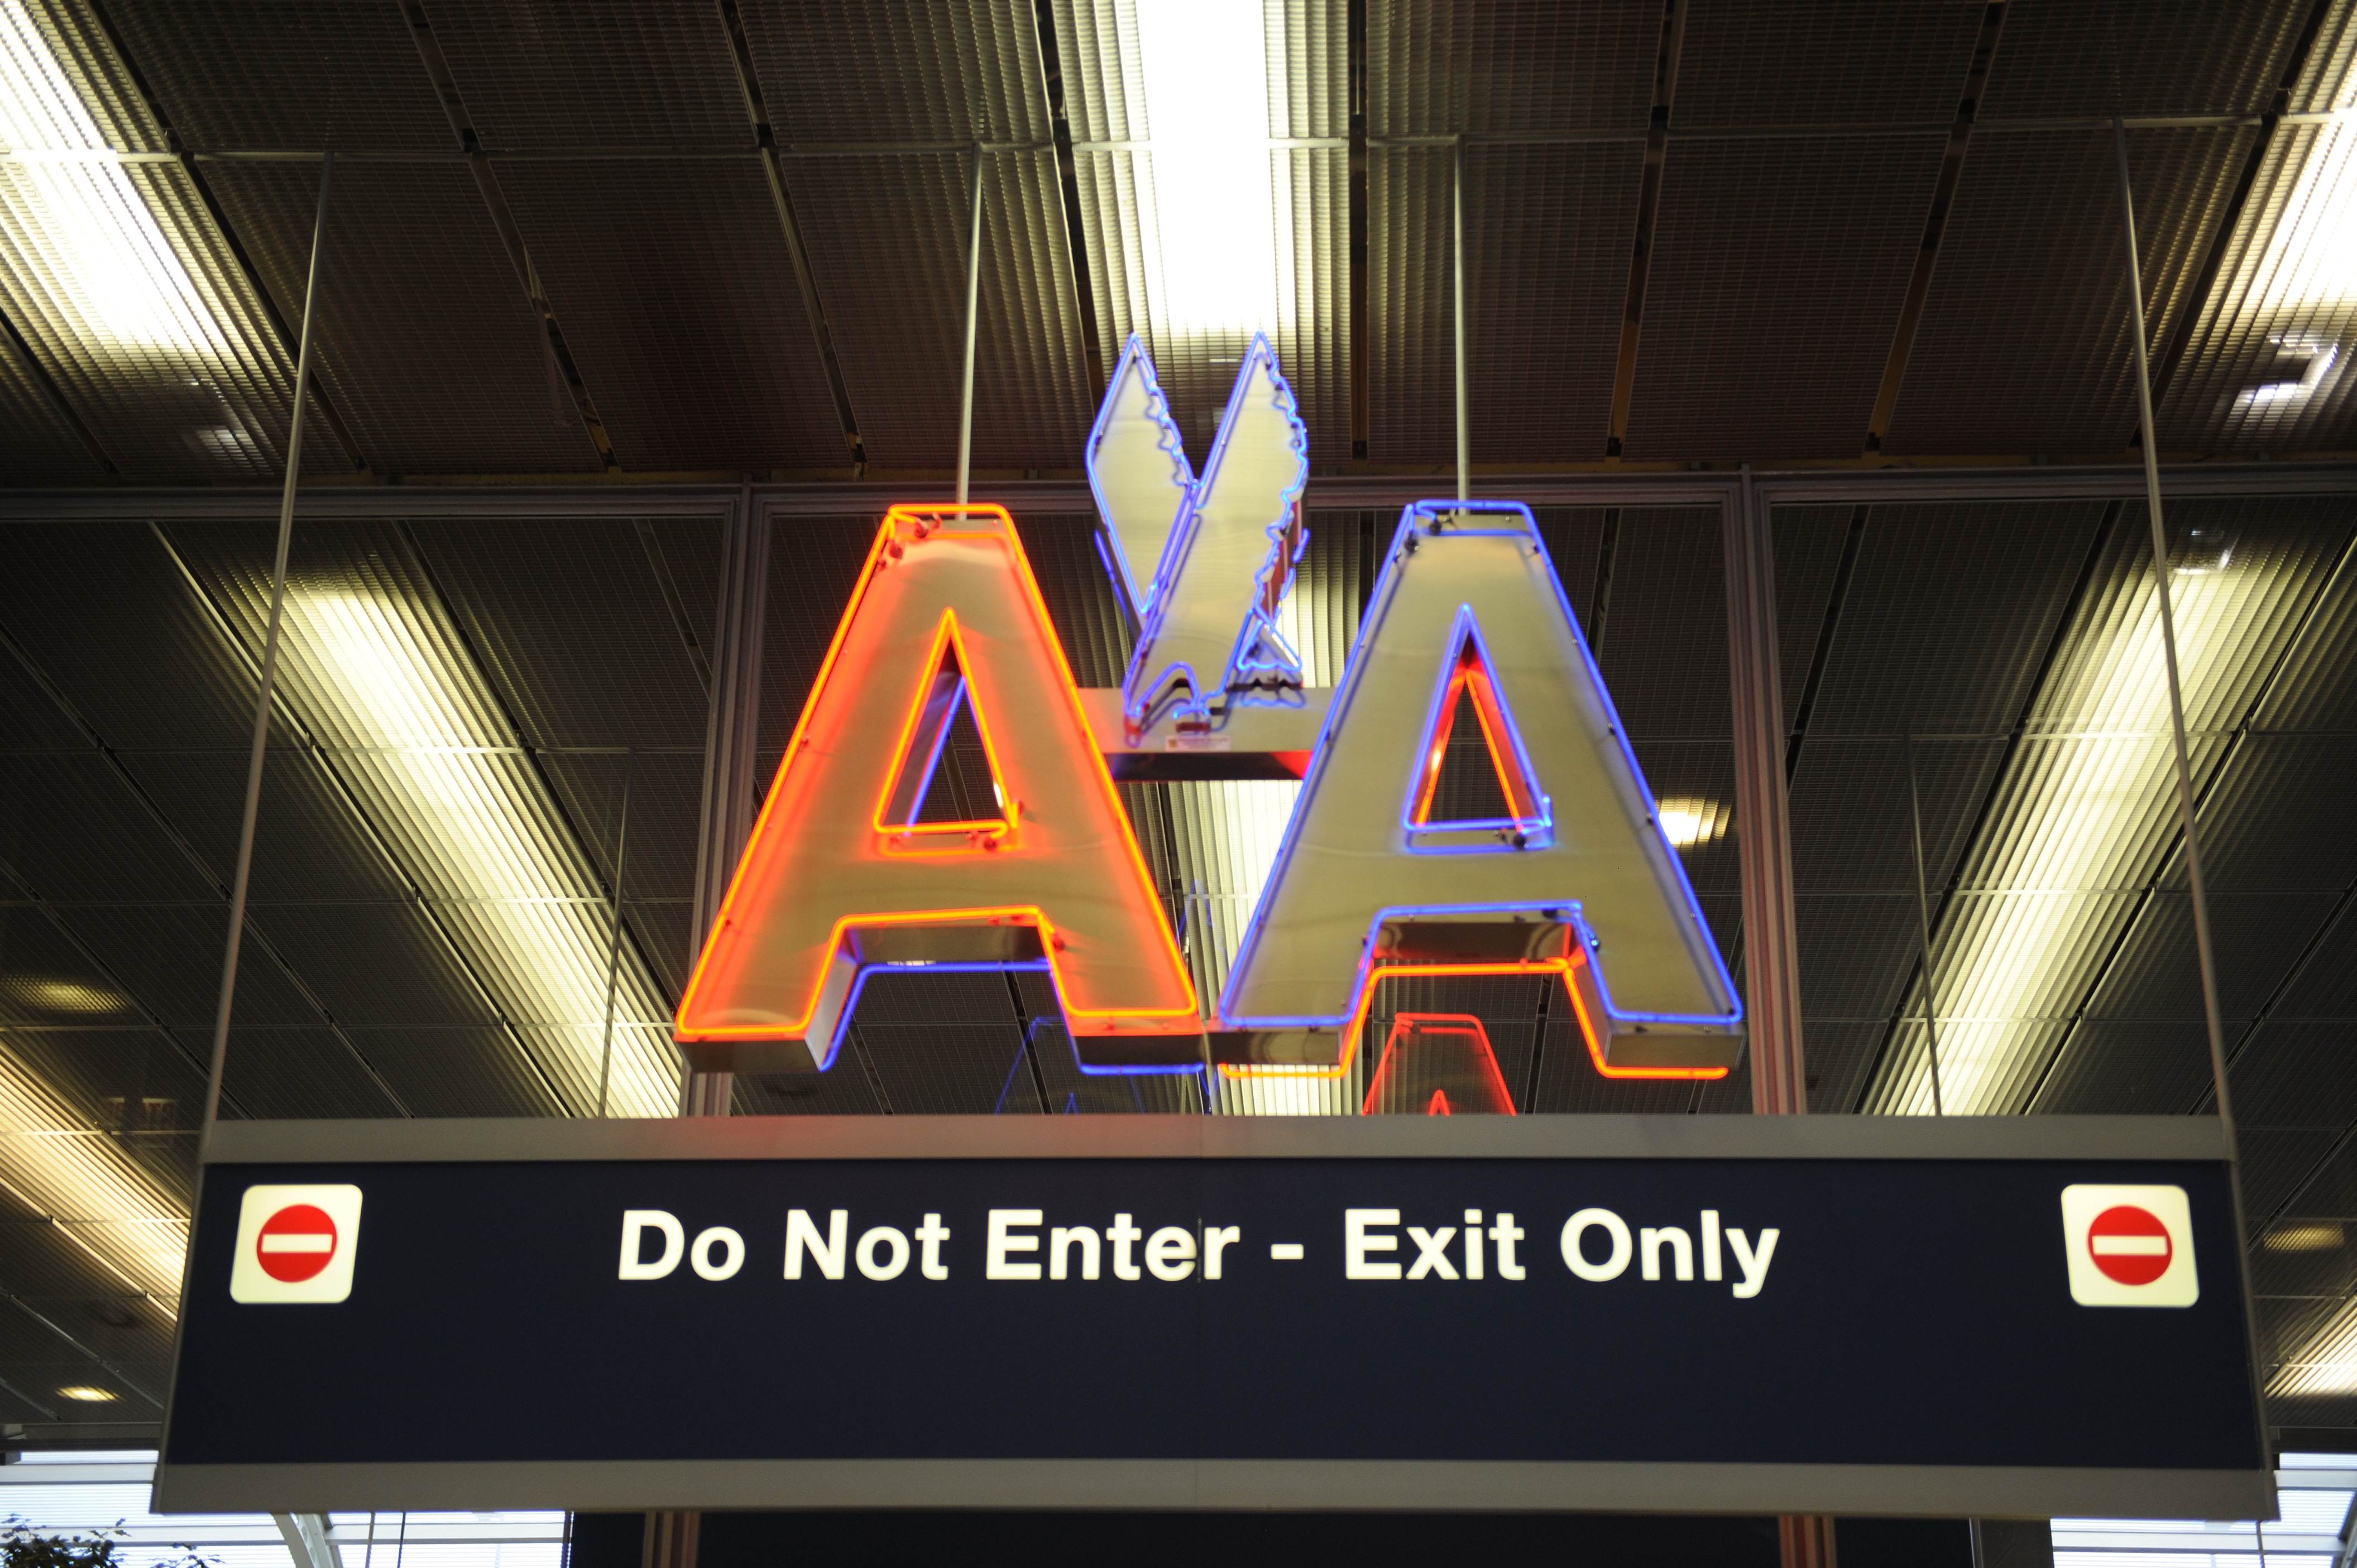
2326	1364
67	995
2303	1238
88	1393
90	245
1205	66
2082	806
377	680
1687	821
88	1185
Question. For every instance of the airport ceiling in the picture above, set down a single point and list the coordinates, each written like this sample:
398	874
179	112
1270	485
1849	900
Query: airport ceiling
620	240
570	237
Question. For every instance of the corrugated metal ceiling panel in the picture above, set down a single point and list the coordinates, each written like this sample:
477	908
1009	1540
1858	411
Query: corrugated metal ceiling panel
1816	63
815	563
1778	270
1663	649
678	300
1547	230
887	238
569	620
1950	608
38	447
836	70
425	337
2149	56
2024	344
1434	68
566	75
283	75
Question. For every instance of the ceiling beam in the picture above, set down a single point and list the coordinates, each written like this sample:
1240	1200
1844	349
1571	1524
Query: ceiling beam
1648	206
1068	180
454	108
1935	225
790	226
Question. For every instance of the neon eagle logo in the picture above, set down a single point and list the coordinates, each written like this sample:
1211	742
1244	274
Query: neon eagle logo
841	879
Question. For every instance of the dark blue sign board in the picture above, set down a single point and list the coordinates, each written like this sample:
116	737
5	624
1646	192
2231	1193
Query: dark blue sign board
1746	1315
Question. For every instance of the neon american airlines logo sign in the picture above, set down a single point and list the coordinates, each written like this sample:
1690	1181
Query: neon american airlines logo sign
843	876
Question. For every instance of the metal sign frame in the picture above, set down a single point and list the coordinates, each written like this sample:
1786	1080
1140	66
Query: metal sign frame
2028	1491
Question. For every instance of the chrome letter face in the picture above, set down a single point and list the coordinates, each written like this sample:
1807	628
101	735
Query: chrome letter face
1577	879
1138	472
843	876
1568	874
1207	604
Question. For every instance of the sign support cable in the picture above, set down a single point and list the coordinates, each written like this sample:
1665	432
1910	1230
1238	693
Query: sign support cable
246	823
973	299
2204	952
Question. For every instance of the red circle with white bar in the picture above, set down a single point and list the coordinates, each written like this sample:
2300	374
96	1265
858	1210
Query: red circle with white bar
2130	1245
295	1243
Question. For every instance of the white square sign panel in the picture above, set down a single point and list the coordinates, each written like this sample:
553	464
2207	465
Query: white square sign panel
2129	1246
295	1244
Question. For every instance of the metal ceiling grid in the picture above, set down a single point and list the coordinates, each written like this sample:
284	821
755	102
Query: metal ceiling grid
294	1073
1947	612
103	651
1092	627
555	76
680	307
453	1071
1857	950
116	850
1097	50
170	956
372	665
814	563
887	239
2081	823
1546	239
2257	939
285	75
1810	62
2297	1074
2273	821
1531	66
2024	343
948	1067
2140	57
431	349
1811	543
316	846
1777	273
200	398
1312	333
38	446
2128	1067
1839	1055
49	980
129	1084
1853	822
99	76
665	795
2277	308
1663	650
905	70
569	620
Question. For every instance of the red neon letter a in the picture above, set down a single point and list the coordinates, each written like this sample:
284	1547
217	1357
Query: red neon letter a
840	878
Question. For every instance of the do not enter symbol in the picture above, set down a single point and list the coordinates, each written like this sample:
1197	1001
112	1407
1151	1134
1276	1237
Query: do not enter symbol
2129	1244
295	1243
